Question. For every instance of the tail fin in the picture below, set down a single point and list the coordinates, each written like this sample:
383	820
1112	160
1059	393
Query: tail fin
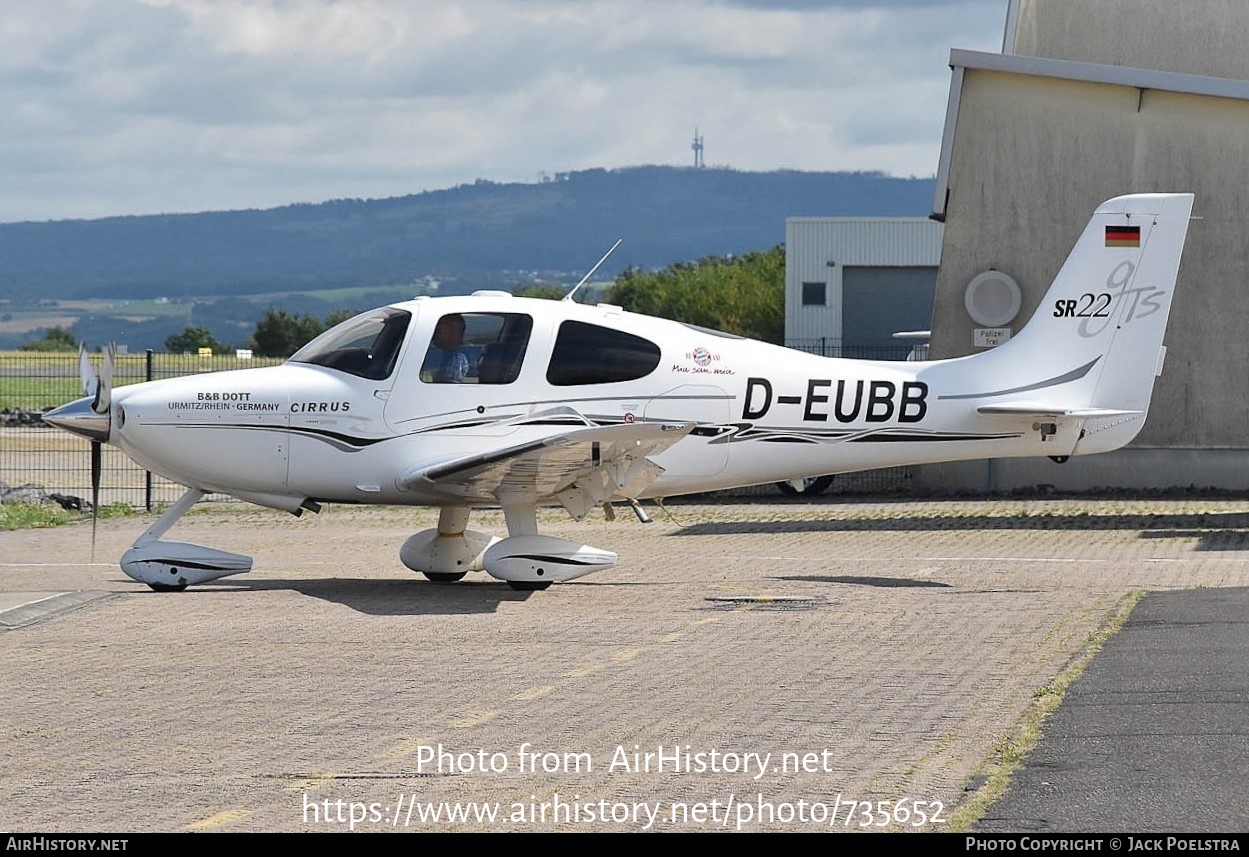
1100	325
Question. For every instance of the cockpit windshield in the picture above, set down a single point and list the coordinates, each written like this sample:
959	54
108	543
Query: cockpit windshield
366	346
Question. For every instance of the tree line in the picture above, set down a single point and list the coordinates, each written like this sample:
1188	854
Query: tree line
742	295
278	334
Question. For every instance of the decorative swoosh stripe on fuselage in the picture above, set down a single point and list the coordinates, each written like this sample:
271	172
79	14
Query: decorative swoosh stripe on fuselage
748	432
353	443
349	443
1074	375
930	437
719	434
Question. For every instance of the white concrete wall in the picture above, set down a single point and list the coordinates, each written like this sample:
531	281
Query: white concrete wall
1029	156
1189	36
1032	159
1132	468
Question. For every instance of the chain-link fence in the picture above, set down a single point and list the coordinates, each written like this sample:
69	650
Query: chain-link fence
828	347
35	454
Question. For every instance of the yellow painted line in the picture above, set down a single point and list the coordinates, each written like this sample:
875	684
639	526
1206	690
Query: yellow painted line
309	783
224	817
406	748
582	672
475	719
538	691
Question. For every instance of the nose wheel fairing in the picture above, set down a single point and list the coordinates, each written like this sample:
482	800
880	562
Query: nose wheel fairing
175	565
171	566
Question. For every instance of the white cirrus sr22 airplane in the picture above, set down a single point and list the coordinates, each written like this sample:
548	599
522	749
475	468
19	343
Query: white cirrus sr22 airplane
493	400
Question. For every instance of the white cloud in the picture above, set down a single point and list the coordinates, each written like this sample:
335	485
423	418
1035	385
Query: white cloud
132	106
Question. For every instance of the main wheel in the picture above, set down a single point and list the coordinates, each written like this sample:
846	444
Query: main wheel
167	587
529	585
810	485
444	576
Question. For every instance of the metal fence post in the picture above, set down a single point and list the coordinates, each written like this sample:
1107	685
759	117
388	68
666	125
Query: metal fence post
147	474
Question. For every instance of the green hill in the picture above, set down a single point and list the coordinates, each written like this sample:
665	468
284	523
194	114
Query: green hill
476	235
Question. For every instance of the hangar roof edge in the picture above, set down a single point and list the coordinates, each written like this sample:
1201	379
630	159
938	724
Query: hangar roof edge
1118	75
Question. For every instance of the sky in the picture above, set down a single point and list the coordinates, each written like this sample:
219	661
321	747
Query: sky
116	107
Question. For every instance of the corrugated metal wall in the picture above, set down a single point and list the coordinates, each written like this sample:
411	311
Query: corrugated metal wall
818	248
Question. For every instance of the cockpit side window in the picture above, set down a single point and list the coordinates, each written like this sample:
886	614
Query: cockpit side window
476	348
366	346
590	354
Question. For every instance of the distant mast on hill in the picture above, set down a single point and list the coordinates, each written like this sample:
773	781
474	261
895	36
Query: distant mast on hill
697	146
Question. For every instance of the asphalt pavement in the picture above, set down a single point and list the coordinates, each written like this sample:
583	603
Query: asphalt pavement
1154	736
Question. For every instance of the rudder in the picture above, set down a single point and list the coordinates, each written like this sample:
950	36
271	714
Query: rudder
1101	323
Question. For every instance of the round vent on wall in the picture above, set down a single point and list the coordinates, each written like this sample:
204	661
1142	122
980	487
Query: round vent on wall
992	298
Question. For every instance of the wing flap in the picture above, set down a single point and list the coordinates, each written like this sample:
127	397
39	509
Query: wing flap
581	468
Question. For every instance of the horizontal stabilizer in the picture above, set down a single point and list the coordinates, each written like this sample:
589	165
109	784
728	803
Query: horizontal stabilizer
1024	409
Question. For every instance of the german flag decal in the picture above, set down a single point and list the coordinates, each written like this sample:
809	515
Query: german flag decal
1123	236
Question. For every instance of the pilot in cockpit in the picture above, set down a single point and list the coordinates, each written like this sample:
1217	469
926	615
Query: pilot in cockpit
446	362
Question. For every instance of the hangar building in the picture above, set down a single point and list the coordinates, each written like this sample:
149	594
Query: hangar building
852	282
1087	101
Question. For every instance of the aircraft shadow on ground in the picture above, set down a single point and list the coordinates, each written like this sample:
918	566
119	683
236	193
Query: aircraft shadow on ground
1213	531
416	597
1207	540
387	597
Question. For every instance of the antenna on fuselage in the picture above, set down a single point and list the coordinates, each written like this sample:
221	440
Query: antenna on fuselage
590	273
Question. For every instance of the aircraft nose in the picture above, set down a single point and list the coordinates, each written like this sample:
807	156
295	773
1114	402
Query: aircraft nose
79	418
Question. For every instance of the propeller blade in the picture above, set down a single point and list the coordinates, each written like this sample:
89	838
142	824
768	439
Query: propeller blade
90	380
96	466
104	395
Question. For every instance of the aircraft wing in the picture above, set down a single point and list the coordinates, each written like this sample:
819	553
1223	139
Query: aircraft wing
1024	409
581	468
